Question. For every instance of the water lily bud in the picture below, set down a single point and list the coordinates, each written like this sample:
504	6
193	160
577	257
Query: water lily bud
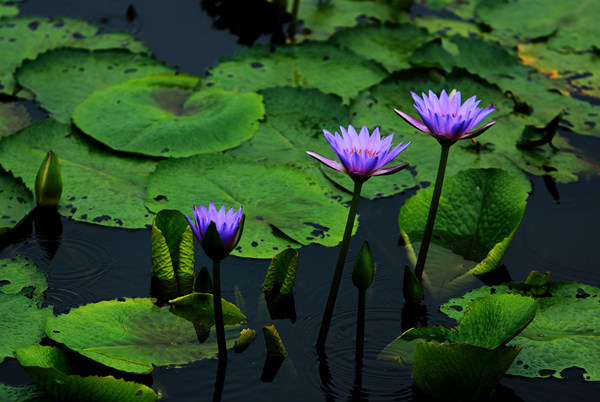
412	289
48	182
364	268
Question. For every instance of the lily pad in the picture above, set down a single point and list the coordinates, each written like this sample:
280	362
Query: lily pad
61	79
309	65
13	117
389	44
479	213
55	371
132	335
284	207
563	334
99	187
17	201
322	18
27	393
19	273
21	322
163	115
569	24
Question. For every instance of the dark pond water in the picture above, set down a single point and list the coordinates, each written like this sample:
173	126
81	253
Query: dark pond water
87	263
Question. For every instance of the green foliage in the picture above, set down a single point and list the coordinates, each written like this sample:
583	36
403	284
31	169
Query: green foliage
244	340
281	273
28	393
16	199
163	115
306	214
479	213
309	65
22	274
273	341
13	117
55	371
132	335
99	186
563	334
173	253
61	79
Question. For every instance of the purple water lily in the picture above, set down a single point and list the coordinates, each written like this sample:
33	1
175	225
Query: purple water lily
446	119
227	224
361	155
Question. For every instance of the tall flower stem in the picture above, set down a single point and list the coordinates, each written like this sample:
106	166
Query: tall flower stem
435	201
360	324
339	267
219	310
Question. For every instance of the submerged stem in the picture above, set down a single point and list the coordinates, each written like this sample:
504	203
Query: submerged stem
339	266
219	327
435	200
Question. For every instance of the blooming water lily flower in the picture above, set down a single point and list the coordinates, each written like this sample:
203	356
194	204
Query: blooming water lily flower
446	119
228	226
361	155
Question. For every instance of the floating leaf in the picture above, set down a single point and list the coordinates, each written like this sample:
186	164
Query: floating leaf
61	79
273	341
569	24
479	212
99	187
132	335
18	273
17	201
389	44
322	18
13	117
54	370
28	393
564	333
21	322
309	65
163	115
276	199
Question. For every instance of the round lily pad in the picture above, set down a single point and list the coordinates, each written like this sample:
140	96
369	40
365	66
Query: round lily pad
163	115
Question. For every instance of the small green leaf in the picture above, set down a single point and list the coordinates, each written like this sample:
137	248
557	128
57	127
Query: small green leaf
281	273
244	340
460	371
164	115
273	341
54	370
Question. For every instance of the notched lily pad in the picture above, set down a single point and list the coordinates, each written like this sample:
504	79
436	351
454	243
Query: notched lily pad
163	115
19	273
17	201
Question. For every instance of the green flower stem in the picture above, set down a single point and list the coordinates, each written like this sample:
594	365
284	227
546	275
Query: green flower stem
339	267
219	327
435	201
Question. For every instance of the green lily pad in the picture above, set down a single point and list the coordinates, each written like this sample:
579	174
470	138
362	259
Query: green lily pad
21	322
576	73
389	44
163	115
309	65
569	24
479	213
460	371
564	333
13	117
284	207
55	371
61	79
17	201
21	273
322	18
132	335
99	187
498	145
27	393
